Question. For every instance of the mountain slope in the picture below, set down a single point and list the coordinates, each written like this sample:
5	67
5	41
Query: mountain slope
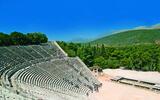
141	36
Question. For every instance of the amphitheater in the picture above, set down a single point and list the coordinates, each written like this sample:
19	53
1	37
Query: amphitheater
43	72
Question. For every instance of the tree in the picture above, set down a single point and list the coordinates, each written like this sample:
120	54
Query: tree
100	61
134	57
4	39
88	60
37	38
18	38
103	52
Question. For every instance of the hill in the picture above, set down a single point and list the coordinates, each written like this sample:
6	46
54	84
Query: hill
131	37
80	40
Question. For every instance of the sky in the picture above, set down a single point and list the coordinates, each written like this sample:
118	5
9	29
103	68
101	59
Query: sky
74	19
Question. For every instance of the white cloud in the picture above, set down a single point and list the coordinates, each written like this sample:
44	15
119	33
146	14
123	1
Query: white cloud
141	27
149	27
156	26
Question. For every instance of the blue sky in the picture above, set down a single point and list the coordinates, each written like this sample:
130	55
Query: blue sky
71	19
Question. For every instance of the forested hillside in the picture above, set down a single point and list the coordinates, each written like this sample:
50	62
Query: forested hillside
137	57
132	37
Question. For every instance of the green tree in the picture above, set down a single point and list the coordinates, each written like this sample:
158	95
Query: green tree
134	57
4	39
18	38
37	38
100	61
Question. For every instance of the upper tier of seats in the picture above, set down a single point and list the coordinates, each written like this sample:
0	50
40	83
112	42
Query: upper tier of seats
14	55
45	67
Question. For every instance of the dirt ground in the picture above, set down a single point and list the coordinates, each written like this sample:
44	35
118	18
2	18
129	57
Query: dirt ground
149	76
116	91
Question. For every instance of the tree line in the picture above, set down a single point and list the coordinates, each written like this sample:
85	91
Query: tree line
18	38
135	57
